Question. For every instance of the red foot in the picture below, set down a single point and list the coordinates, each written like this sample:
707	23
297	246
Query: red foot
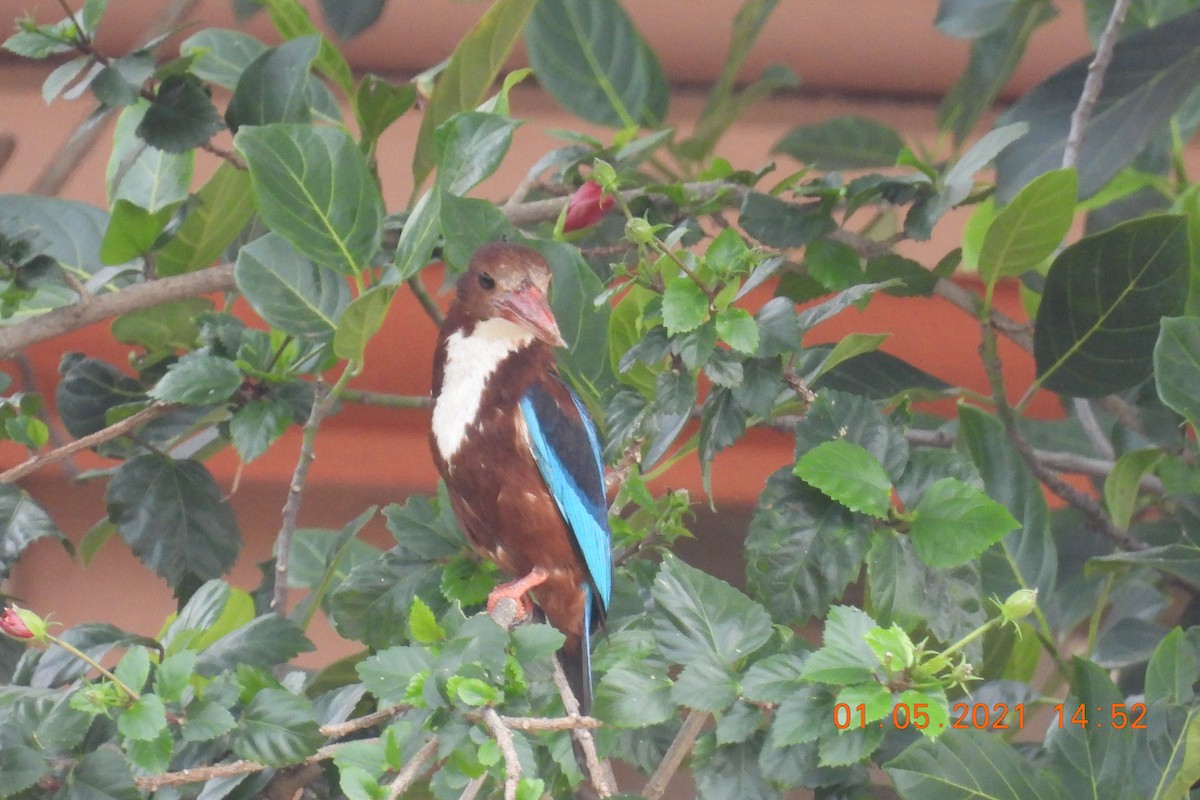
518	591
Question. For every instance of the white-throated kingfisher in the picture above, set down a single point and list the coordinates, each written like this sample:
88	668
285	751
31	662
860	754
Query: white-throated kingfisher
518	452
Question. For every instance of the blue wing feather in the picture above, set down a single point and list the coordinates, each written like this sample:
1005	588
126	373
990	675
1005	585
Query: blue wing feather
567	452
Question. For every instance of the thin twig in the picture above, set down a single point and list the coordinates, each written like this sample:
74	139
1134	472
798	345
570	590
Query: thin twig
1093	84
684	741
600	771
472	789
29	383
1051	479
339	729
368	398
426	300
1091	428
113	431
323	401
113	304
413	769
512	762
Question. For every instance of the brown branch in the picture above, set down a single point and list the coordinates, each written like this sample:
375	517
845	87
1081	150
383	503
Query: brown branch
684	741
1085	503
1019	332
1093	84
113	431
512	762
323	401
599	770
113	304
368	398
337	730
413	769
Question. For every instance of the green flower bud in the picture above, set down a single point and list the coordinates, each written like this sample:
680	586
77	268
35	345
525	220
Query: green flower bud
1019	604
639	231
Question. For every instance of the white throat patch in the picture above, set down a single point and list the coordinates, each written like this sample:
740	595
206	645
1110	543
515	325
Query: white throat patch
470	361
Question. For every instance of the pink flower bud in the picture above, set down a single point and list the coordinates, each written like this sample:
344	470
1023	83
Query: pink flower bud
586	207
12	624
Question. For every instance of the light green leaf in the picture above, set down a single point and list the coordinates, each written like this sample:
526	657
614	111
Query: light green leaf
472	70
292	21
221	56
1121	485
273	87
362	319
132	232
215	216
471	145
737	328
848	347
1105	295
144	175
314	188
198	379
144	720
969	764
288	290
1029	229
684	305
420	234
844	656
423	625
954	522
848	474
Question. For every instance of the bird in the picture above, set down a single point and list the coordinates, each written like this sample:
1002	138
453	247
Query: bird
518	452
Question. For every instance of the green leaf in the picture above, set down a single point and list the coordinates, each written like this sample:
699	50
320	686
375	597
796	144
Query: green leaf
848	474
592	60
144	720
737	328
101	775
277	728
1030	555
145	176
702	618
1173	670
378	103
362	320
273	87
969	764
132	232
954	522
292	21
221	56
802	549
634	694
994	57
842	143
423	625
780	224
419	235
1095	760
773	679
134	668
684	305
838	416
88	389
470	73
22	768
1122	484
288	290
314	188
68	231
174	517
387	674
970	19
473	691
348	19
733	771
1029	229
22	522
206	721
844	656
256	425
1151	73
471	145
164	328
848	347
265	641
215	216
474	222
198	379
173	674
1098	320
1180	560
181	116
1177	367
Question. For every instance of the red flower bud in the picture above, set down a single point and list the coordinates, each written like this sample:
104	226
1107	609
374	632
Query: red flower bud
12	624
586	207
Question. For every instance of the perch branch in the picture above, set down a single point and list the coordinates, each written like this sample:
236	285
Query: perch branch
684	741
113	431
600	771
1093	84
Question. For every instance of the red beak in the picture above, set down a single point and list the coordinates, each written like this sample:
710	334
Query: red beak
529	308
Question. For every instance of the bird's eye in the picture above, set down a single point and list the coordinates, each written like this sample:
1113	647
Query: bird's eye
487	281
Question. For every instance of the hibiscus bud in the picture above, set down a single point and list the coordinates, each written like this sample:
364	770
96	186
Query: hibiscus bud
12	622
1019	604
586	207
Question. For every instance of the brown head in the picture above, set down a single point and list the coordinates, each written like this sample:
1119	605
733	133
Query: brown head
509	281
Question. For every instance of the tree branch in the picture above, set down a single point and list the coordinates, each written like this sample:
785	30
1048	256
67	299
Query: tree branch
113	431
1093	84
684	741
512	762
599	770
113	304
413	769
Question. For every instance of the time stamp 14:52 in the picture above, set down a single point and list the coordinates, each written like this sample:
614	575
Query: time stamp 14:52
995	716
